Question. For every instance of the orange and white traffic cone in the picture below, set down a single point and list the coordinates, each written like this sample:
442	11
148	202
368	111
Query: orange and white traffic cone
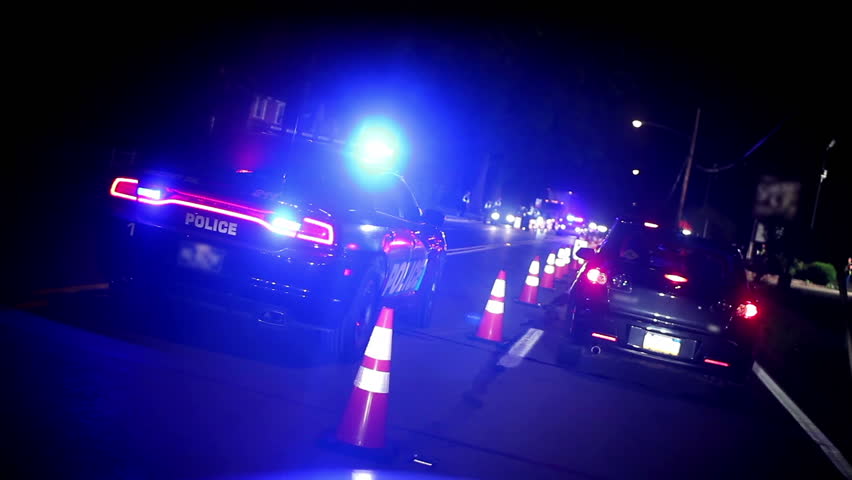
365	417
491	325
549	272
529	294
561	264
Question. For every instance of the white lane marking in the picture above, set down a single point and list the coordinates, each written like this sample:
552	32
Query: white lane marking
807	425
73	289
521	348
483	248
462	251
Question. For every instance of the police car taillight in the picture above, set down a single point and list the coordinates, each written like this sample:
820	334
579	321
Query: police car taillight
316	231
123	187
309	229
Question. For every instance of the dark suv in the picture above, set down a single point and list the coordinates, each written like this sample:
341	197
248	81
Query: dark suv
662	295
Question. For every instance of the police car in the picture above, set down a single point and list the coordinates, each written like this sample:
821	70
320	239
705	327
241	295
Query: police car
309	245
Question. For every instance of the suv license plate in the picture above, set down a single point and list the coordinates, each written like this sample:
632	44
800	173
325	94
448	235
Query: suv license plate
661	343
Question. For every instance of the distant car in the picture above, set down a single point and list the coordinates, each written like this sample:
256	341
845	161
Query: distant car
303	247
661	295
502	215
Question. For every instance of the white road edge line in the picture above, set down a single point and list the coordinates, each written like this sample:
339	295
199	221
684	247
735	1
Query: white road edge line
807	425
521	348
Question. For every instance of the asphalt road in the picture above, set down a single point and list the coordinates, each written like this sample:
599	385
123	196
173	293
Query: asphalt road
197	392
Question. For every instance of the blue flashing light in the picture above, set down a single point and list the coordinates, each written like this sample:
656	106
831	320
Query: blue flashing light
285	226
152	193
377	145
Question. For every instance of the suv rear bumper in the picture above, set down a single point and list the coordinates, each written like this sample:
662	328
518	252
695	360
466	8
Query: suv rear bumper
599	329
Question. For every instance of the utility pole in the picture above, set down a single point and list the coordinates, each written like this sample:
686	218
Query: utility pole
706	198
822	176
688	167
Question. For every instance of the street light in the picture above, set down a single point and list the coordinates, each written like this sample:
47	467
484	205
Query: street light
635	171
688	169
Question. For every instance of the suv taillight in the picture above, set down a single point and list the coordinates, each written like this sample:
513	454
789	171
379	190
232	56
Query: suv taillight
596	276
747	310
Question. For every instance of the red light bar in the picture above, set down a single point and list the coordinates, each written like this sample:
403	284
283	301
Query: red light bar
716	362
312	230
675	278
651	225
220	202
243	170
604	337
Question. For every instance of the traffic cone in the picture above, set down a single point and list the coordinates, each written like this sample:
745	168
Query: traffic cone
549	272
491	326
529	294
561	264
365	417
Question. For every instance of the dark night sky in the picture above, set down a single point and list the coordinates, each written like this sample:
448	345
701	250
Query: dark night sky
550	100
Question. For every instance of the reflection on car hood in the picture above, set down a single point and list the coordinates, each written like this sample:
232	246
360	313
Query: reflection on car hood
342	475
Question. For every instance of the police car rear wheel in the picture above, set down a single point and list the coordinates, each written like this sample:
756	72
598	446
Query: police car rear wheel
423	315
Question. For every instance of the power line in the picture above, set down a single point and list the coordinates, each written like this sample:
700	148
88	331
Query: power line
747	154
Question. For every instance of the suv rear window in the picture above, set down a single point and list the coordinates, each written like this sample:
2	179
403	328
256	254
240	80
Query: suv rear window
692	257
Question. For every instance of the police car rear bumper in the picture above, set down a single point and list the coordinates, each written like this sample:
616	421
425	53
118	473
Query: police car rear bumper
302	289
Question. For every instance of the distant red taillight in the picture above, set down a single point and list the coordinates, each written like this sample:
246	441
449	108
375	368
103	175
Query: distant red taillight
675	278
747	310
596	276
